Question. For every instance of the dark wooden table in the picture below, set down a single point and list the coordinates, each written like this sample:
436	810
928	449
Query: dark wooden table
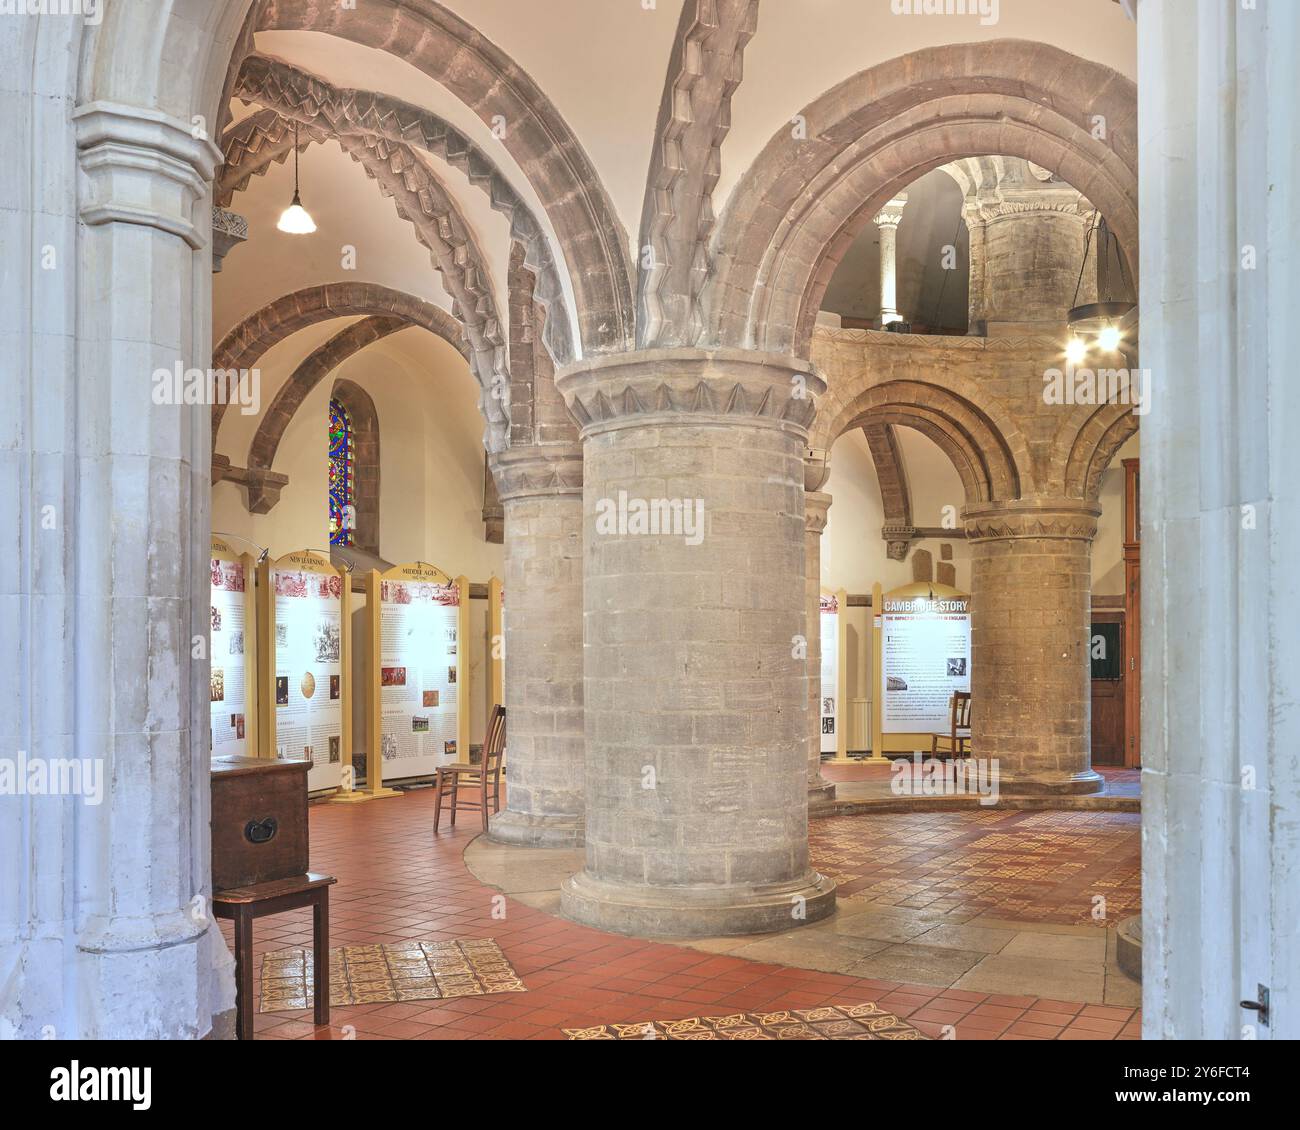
243	904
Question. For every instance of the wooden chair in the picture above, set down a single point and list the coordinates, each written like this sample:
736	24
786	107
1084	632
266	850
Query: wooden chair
483	778
244	904
956	741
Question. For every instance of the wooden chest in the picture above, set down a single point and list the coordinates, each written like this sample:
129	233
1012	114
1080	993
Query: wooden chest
259	820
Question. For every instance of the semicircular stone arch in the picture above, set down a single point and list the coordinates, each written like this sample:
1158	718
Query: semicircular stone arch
247	342
1092	448
802	201
941	400
474	69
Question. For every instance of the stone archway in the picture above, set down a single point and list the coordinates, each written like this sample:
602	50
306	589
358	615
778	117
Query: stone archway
804	199
385	309
454	54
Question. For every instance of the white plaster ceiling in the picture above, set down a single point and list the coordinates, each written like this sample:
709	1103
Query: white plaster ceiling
348	210
603	64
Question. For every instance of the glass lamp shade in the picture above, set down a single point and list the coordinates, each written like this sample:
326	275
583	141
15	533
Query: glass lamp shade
296	220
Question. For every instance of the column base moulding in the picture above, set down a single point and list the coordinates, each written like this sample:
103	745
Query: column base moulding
523	830
1061	784
696	912
821	798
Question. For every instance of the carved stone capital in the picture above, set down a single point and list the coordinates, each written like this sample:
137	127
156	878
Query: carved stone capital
816	510
1067	519
229	229
142	167
897	539
891	215
538	471
738	387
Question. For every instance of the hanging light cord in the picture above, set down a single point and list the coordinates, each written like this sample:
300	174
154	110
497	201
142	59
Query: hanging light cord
938	302
1087	242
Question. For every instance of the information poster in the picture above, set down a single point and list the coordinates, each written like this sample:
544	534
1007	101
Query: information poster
309	670
231	647
925	657
830	643
420	653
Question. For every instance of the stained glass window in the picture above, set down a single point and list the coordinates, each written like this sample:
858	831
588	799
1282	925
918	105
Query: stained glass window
342	477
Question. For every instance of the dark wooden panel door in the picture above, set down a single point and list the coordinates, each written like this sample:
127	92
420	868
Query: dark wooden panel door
1108	688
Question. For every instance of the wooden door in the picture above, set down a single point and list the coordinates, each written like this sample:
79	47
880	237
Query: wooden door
1108	687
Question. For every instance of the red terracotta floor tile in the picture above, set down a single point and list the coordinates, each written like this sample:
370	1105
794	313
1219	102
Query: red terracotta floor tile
397	881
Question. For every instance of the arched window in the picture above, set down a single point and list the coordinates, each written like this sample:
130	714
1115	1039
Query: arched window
343	484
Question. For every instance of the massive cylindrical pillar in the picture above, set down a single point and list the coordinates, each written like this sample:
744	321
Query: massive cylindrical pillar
541	496
696	694
1031	583
816	507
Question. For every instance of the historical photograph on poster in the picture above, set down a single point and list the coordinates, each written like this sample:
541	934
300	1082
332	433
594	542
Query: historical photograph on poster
418	630
218	683
925	656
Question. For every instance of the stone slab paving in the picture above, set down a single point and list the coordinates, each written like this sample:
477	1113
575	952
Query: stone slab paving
397	883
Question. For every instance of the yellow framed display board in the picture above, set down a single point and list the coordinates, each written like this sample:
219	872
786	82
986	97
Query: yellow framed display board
232	651
834	674
417	672
305	656
496	645
920	654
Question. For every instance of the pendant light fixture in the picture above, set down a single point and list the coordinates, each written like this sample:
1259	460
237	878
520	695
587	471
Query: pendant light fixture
295	219
1098	323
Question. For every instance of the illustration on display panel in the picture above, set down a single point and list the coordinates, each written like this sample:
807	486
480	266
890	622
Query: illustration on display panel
418	639
228	683
308	596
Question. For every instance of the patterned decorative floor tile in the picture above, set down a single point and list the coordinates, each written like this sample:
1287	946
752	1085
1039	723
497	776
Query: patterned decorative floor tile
832	1022
388	973
399	883
1032	866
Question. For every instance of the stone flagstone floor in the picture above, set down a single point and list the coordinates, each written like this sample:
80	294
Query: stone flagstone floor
397	883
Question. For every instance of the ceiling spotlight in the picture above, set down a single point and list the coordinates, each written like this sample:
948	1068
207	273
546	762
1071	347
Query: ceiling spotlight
1075	350
295	219
1109	338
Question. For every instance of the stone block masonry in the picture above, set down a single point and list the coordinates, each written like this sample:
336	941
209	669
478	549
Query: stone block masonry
696	704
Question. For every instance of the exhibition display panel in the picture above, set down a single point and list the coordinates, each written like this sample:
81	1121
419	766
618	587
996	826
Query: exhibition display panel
232	651
834	642
417	672
921	654
304	604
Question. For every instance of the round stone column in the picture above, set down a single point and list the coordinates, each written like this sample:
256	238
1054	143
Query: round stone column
1031	584
696	701
541	497
816	507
